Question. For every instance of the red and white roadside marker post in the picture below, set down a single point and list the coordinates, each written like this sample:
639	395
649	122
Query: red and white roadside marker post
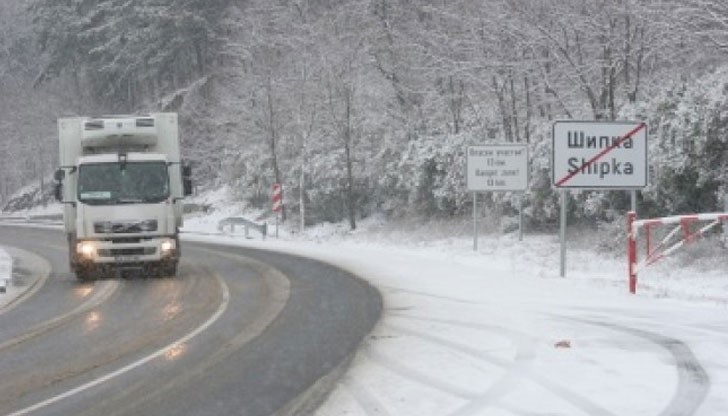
632	251
592	155
277	202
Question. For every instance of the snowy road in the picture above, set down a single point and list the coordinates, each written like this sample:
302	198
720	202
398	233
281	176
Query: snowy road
499	333
230	335
479	334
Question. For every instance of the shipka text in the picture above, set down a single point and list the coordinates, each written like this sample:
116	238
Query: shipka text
602	168
580	140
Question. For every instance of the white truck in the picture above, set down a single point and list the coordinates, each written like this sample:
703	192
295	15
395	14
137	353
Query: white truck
122	182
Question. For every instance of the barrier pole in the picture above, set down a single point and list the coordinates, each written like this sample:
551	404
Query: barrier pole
631	252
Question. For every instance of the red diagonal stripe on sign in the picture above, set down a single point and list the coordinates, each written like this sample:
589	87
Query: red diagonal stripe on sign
601	154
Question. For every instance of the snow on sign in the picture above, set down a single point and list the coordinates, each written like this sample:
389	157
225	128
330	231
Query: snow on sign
497	168
589	154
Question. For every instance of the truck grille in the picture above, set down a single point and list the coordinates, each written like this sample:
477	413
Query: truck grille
134	251
124	227
126	240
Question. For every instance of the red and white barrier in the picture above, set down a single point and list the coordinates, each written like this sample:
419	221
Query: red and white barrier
667	245
277	198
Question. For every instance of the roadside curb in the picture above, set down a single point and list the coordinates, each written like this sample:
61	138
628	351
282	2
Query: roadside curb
29	273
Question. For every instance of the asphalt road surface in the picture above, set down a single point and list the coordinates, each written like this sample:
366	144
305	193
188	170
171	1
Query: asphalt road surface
237	332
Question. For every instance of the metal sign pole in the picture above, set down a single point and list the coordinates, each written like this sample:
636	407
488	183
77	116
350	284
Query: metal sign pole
633	200
475	221
562	233
520	216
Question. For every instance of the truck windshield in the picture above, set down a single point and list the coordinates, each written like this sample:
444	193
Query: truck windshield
123	183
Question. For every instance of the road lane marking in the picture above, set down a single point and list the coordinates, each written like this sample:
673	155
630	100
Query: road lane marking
159	353
278	287
103	294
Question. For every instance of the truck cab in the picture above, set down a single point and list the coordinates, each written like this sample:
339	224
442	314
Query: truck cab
122	182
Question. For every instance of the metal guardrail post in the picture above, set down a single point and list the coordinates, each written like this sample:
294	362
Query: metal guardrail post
247	225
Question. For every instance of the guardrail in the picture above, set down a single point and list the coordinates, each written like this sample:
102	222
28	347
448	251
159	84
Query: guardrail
39	219
233	222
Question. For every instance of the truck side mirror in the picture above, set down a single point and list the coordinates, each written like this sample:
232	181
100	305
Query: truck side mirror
58	175
187	180
187	185
58	191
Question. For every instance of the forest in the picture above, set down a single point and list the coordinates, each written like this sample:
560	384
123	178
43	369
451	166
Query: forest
362	107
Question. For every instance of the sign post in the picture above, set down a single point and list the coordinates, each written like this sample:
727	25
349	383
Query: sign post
597	155
562	232
496	168
475	221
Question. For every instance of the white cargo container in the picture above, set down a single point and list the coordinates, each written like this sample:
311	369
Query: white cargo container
122	182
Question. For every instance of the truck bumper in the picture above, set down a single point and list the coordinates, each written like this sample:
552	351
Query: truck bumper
109	252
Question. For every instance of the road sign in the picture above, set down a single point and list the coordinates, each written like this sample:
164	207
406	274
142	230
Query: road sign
497	168
590	154
277	197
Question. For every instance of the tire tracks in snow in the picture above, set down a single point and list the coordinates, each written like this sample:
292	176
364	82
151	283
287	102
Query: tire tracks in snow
516	371
692	387
693	381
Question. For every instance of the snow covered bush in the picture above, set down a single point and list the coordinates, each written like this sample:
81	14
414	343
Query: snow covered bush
689	147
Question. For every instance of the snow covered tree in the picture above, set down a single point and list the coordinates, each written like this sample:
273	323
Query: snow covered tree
128	52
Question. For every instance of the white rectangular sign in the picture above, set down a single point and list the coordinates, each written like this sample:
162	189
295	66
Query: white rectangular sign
591	154
497	168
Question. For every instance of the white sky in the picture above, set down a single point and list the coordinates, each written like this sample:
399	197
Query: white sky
475	333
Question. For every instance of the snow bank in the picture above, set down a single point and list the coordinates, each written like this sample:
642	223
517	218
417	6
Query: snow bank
6	270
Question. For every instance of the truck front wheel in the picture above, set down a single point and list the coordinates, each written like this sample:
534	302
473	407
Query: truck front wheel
83	274
169	269
162	269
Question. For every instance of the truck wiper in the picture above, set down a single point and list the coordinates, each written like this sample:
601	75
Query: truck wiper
129	201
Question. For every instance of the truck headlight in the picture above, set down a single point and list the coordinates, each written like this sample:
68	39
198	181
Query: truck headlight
86	249
167	246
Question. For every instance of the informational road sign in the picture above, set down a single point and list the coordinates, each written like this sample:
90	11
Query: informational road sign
591	155
497	168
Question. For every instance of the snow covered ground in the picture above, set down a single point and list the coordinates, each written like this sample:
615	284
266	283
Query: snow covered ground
6	270
499	332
